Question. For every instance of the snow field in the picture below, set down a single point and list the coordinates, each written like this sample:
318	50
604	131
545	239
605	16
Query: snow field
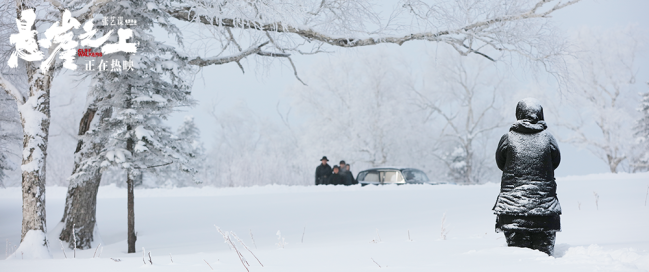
347	228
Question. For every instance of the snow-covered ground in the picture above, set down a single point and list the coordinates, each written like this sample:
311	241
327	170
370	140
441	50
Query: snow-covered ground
347	228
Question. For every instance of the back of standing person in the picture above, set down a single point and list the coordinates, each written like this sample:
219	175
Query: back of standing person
527	207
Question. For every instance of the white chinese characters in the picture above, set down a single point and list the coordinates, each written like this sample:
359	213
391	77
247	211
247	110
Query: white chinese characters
61	36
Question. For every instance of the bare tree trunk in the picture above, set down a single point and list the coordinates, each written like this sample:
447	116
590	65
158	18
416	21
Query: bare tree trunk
469	163
131	200
613	162
81	201
130	182
35	120
81	212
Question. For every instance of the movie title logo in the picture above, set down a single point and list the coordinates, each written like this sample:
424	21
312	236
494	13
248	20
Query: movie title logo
62	42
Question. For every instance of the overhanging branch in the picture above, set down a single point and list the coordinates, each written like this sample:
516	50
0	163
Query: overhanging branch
255	49
190	15
12	90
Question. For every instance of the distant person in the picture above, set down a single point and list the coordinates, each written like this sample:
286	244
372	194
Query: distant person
349	177
342	167
527	207
323	171
336	178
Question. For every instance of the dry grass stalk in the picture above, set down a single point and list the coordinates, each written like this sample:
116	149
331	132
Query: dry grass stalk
375	262
246	247
62	249
208	264
226	237
93	255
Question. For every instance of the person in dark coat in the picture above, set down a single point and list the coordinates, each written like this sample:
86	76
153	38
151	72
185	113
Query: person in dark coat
349	177
336	178
527	209
322	172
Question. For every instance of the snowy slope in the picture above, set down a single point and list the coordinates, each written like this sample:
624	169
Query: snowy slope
347	228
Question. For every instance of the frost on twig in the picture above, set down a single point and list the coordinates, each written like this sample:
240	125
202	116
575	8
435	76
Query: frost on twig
226	237
62	249
246	247
74	238
444	231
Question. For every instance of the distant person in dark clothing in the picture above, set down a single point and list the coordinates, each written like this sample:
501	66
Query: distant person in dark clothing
322	172
336	178
527	207
342	167
349	177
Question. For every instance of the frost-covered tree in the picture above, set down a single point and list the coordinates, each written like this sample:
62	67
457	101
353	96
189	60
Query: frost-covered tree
298	26
642	134
9	137
135	94
252	150
601	94
187	138
359	110
465	95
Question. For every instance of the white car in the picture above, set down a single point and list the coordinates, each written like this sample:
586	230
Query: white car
392	175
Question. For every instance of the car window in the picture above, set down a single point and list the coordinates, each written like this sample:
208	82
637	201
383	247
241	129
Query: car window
369	176
412	175
391	177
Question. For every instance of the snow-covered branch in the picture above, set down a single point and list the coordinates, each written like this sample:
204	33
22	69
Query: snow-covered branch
86	12
12	90
456	36
255	49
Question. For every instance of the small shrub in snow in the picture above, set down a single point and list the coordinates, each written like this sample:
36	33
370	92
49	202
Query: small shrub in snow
281	242
596	200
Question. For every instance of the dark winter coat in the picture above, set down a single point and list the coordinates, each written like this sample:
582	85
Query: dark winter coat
335	179
528	155
322	172
349	178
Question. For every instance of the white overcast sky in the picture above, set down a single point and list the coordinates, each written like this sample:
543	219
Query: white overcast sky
262	88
